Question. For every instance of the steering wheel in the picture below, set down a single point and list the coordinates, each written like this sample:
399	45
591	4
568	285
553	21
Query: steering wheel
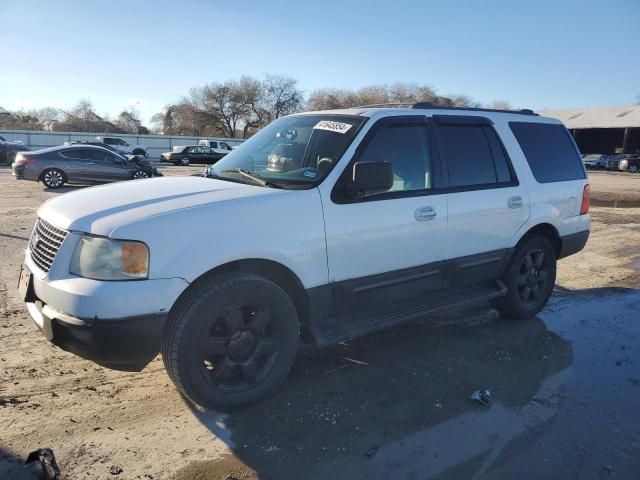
324	165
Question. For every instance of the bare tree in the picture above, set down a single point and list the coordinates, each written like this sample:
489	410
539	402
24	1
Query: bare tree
128	120
398	93
281	95
500	105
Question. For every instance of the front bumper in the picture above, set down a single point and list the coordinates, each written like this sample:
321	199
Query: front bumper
127	344
116	324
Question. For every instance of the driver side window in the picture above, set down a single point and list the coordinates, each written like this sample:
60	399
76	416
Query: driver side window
405	147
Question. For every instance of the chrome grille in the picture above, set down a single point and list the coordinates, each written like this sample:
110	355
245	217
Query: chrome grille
44	244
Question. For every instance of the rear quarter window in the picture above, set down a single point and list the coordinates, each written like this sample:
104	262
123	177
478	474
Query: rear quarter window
549	150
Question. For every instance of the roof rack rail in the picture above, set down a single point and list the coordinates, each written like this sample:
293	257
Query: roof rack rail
382	105
523	111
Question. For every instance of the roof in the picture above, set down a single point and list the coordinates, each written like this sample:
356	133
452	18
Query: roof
370	111
73	146
600	117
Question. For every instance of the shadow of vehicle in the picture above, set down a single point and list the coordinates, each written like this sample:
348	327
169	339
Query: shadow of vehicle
396	404
65	188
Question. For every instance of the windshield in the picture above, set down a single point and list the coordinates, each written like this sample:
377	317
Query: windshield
179	148
292	151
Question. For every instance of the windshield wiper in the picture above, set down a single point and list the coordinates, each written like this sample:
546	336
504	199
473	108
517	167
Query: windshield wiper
253	177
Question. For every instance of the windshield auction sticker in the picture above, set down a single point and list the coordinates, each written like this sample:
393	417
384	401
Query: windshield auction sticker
337	127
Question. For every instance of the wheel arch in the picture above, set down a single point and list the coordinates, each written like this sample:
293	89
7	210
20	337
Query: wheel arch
547	231
273	271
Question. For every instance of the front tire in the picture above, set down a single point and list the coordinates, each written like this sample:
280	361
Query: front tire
632	169
231	340
140	174
53	178
184	161
529	278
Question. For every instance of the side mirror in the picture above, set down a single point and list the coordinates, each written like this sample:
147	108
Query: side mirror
369	178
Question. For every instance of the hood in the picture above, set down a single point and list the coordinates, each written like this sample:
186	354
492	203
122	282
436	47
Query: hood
16	146
101	210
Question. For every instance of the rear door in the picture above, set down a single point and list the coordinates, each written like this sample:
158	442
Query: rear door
486	202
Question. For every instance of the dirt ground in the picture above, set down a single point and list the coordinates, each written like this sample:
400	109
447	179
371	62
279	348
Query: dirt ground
565	386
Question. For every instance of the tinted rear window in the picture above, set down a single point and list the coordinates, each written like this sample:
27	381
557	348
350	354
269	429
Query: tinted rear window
474	155
549	150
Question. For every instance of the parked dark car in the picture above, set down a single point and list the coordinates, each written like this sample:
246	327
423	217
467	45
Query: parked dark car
79	163
8	150
594	161
613	161
184	155
630	163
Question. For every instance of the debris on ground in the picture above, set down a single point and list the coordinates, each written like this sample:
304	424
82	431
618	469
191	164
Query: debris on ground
344	365
483	397
10	401
359	362
371	452
50	470
115	470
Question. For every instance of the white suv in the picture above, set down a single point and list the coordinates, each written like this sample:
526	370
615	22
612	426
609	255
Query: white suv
328	224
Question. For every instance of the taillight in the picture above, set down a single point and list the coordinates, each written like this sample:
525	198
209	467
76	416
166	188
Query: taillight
22	159
586	200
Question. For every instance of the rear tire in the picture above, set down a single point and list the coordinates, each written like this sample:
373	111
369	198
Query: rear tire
231	340
529	278
53	178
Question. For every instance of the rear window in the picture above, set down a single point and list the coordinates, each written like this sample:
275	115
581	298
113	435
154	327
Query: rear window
549	150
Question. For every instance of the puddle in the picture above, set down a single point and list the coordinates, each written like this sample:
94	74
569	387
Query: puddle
615	203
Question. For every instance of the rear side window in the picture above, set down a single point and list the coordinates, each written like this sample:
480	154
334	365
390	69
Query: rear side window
79	153
549	150
474	155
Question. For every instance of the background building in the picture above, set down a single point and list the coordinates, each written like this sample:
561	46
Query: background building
602	130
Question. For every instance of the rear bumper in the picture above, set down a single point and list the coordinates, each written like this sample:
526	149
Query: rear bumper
18	170
573	243
127	344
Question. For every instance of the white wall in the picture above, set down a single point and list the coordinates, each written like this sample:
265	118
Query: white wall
155	144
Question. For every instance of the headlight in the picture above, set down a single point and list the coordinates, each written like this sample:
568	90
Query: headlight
102	258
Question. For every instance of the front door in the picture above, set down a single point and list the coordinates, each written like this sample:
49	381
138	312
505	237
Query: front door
388	247
103	166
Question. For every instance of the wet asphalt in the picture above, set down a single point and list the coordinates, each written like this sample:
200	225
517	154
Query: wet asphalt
565	392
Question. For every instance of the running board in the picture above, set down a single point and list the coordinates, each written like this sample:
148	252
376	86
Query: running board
333	330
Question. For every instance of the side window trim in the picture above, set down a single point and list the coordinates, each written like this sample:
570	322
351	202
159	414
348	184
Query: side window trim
485	124
337	193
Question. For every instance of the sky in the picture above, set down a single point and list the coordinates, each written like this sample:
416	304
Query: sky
143	53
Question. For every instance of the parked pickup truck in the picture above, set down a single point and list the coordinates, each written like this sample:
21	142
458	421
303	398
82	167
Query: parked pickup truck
323	226
124	147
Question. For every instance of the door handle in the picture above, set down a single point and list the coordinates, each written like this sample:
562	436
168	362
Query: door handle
515	202
425	214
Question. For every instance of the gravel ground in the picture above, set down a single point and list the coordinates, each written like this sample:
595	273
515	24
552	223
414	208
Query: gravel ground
565	385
